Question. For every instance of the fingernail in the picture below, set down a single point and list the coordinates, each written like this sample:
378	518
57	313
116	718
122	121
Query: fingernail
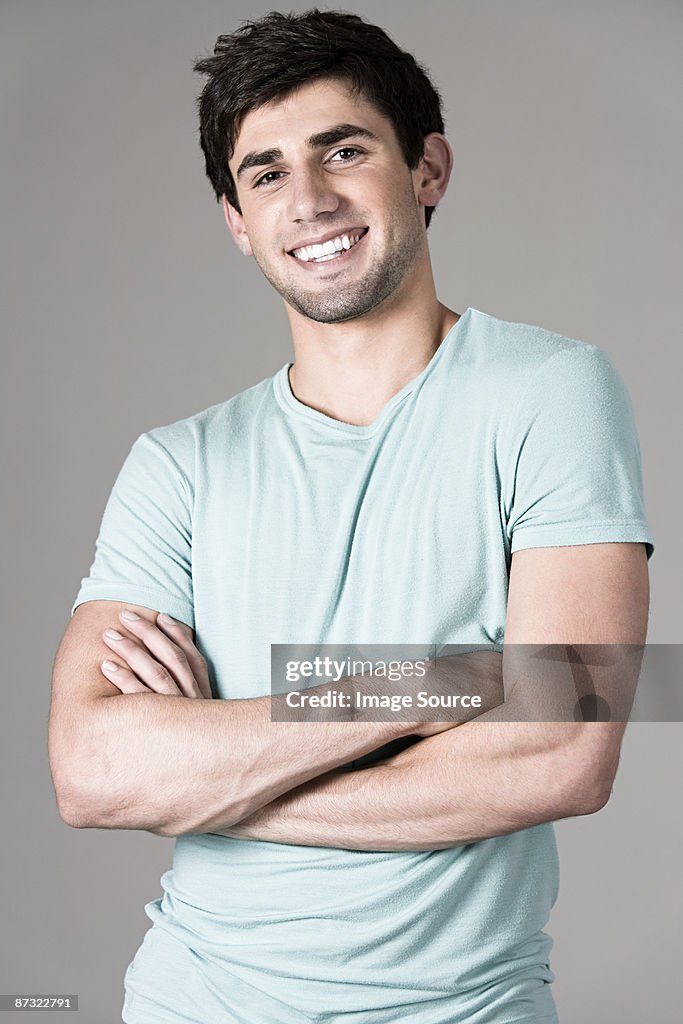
166	619
113	634
110	666
127	614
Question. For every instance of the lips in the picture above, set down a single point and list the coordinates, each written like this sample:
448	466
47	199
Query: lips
328	248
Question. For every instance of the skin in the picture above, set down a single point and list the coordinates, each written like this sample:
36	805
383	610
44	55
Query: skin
487	777
360	331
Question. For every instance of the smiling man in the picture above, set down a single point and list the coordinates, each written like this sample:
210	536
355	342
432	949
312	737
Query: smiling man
352	174
414	476
335	219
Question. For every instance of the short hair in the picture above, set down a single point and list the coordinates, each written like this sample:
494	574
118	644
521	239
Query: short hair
267	59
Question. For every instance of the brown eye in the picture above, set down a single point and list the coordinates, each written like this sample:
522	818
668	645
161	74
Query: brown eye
347	149
266	179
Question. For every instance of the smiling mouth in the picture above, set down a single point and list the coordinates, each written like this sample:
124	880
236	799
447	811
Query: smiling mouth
334	248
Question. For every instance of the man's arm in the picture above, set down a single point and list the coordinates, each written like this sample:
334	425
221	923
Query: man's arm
490	776
160	762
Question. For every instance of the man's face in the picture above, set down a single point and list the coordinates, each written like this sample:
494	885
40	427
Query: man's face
306	175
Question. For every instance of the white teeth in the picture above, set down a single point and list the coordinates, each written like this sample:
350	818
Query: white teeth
328	250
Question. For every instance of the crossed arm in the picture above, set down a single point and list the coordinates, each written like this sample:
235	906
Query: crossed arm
473	782
493	775
486	777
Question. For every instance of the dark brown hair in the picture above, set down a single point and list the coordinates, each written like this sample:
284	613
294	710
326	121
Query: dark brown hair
266	59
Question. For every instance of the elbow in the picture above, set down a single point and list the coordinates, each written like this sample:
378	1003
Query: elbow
91	794
72	813
74	809
596	800
70	808
585	796
587	802
587	773
78	812
86	806
79	805
64	773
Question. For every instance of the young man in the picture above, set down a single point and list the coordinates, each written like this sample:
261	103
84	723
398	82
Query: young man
415	476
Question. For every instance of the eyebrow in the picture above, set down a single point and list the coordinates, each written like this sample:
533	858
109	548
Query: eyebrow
319	140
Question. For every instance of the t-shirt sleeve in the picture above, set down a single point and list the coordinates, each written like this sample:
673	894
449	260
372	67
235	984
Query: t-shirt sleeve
144	547
576	460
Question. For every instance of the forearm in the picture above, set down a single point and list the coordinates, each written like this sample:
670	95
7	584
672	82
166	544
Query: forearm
174	766
171	765
485	778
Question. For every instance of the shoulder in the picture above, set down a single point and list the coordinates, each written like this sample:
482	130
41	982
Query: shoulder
521	364
522	349
182	442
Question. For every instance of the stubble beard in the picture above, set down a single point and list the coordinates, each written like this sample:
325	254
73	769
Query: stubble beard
340	301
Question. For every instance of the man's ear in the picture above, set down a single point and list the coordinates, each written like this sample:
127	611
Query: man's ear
235	222
431	175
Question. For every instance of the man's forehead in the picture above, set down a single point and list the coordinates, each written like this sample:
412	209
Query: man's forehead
304	112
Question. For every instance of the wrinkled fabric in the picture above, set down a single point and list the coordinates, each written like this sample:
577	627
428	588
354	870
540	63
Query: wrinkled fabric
261	520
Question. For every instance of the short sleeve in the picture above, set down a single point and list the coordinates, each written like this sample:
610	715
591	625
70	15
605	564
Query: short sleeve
575	457
144	547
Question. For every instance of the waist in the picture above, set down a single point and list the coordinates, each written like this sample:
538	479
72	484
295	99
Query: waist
452	914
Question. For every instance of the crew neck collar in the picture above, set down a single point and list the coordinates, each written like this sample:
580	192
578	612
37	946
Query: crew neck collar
291	404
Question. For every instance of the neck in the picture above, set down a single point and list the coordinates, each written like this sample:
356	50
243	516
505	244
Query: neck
349	371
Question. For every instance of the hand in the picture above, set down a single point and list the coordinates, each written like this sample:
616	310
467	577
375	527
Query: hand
161	659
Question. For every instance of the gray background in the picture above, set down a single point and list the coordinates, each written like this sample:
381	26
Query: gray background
127	306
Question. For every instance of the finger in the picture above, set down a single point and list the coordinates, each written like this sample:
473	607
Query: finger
122	677
173	656
183	636
149	671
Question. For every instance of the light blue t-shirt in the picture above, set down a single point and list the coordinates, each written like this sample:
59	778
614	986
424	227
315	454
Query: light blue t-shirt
261	520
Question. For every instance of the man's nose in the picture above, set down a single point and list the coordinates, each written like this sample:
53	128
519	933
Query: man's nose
310	194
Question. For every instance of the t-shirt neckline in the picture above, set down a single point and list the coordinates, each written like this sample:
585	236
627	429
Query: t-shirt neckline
291	404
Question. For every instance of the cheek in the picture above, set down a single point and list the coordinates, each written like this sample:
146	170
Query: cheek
266	236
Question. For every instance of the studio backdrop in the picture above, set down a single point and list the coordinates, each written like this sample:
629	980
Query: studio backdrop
127	306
